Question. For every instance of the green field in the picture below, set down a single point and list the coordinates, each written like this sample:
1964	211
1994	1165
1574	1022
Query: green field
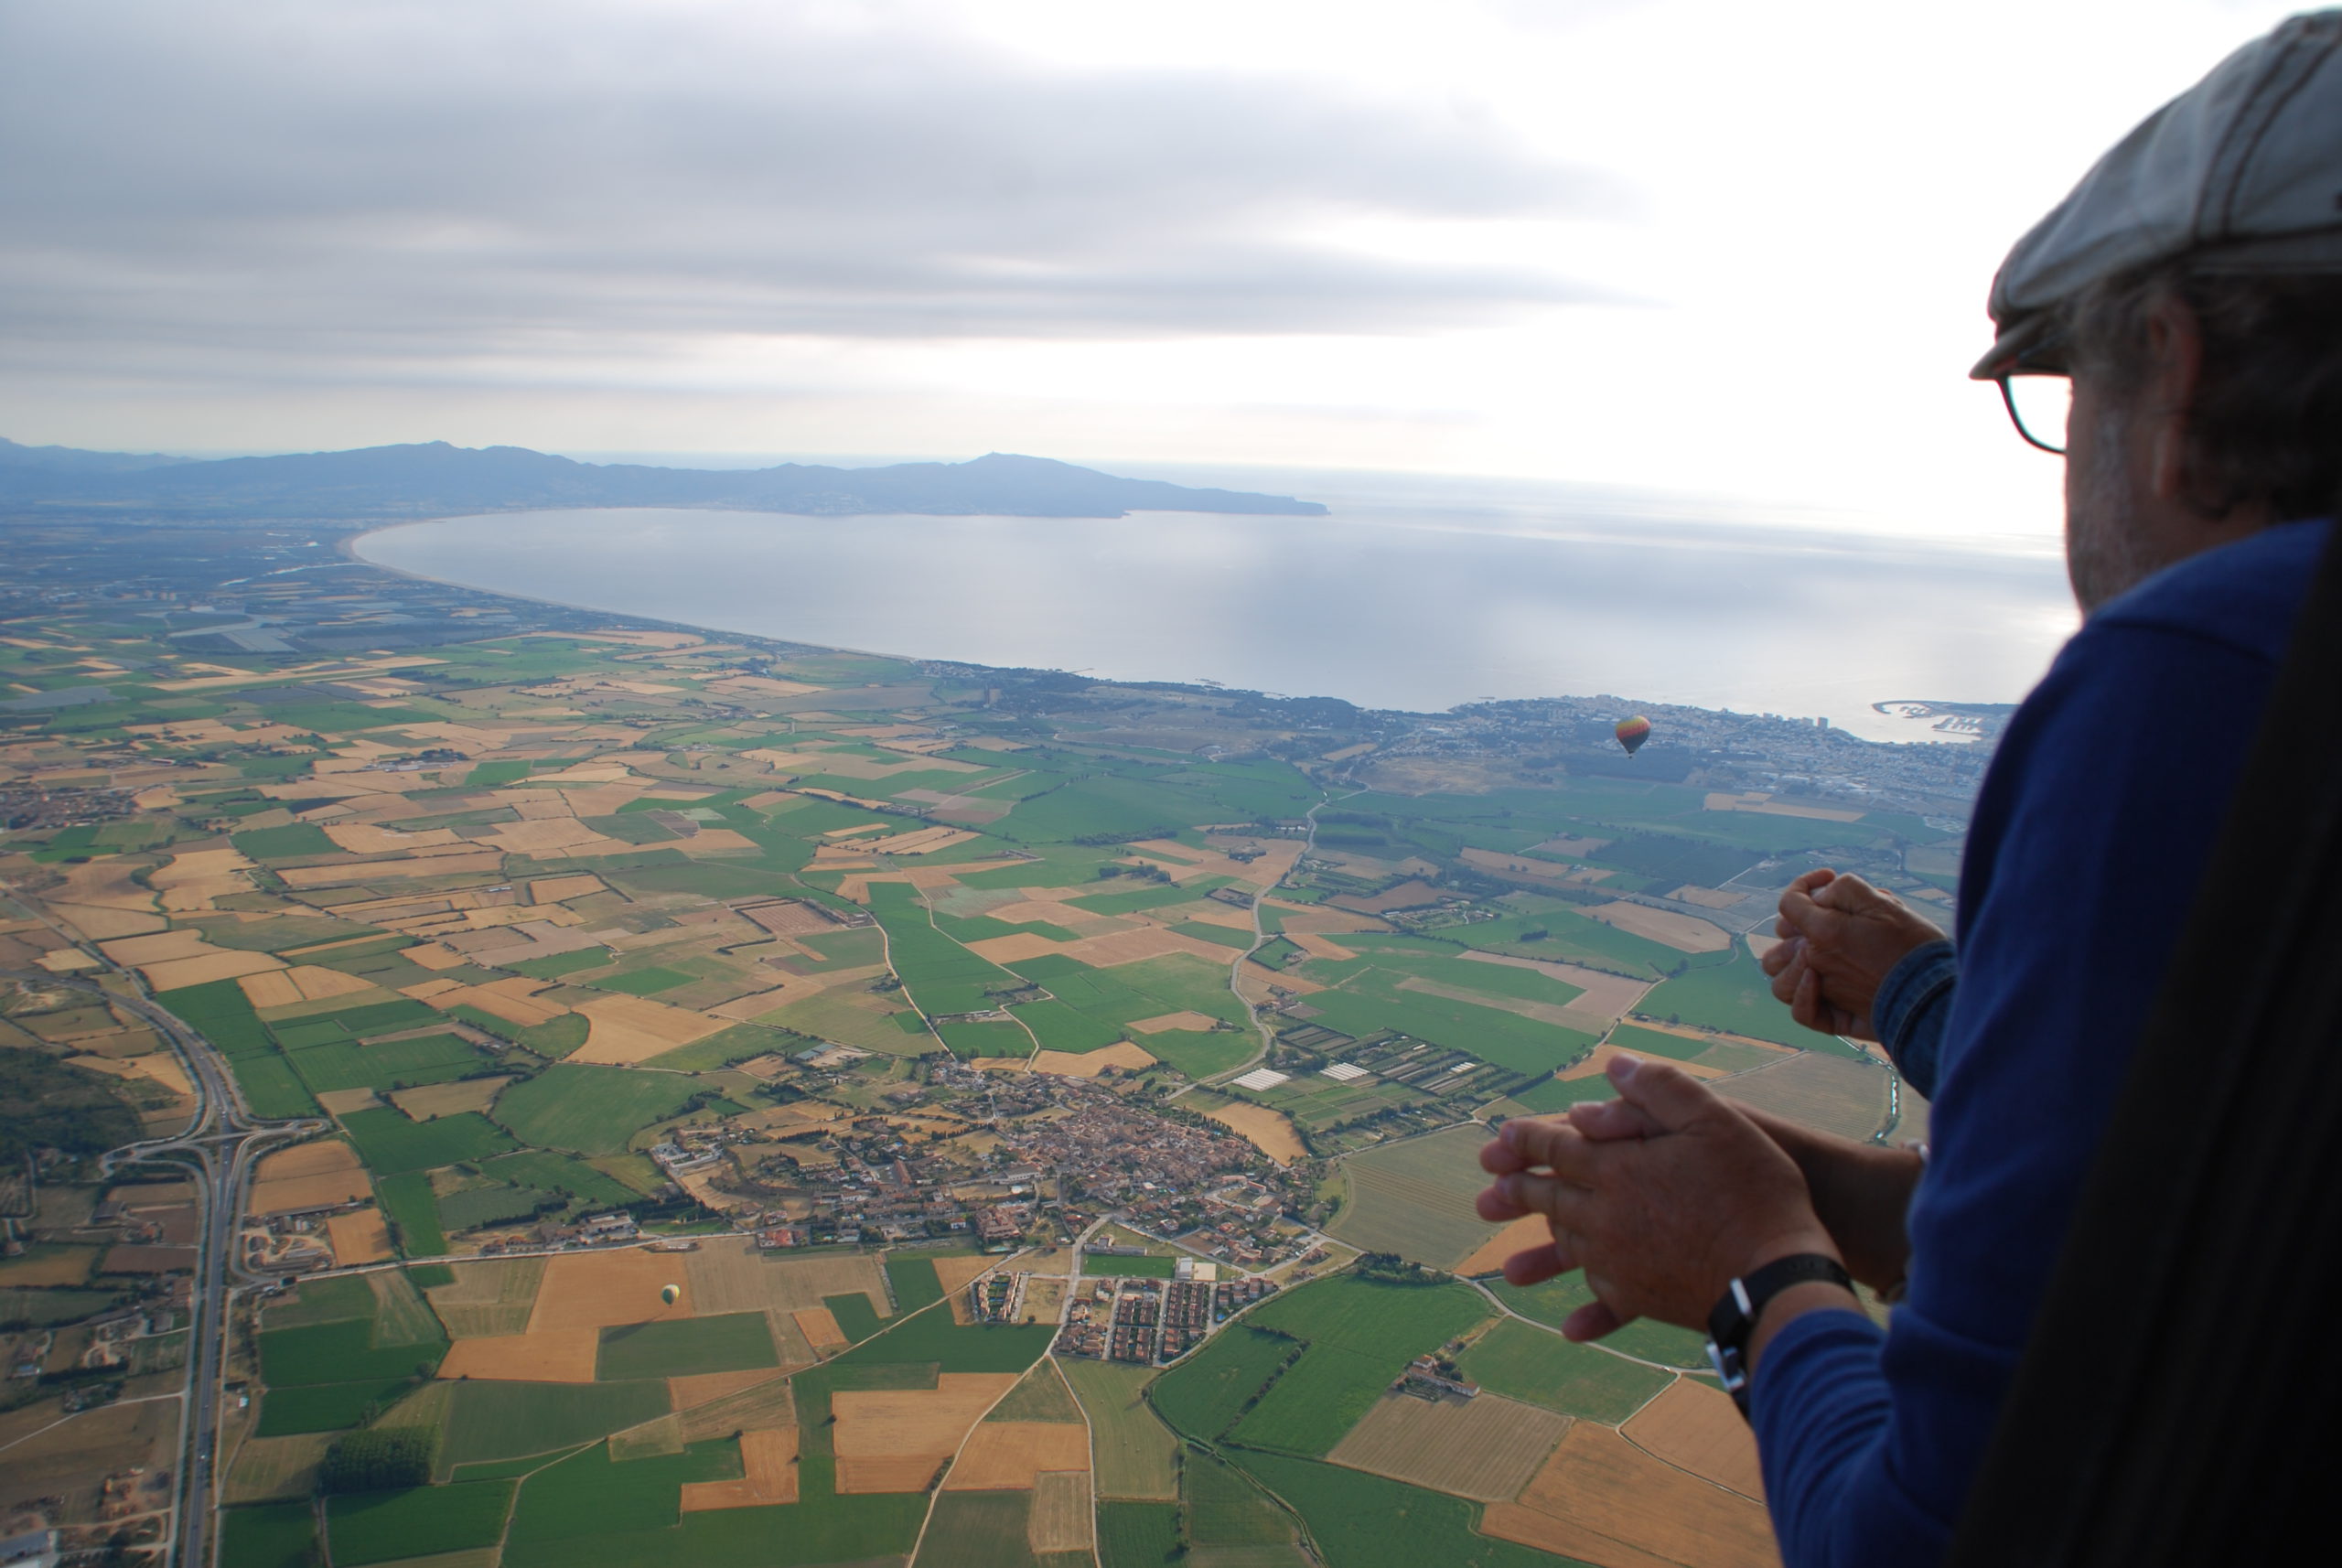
395	1064
932	1336
937	973
414	1214
273	1535
589	1109
1361	1334
1130	1268
553	1171
1735	997
1549	1095
325	1407
269	1085
1222	1507
1364	1521
1204	1394
381	1527
341	1352
1414	1197
288	843
333	1300
737	1044
1138	1535
1042	1397
1554	1301
588	1512
475	1207
913	1281
978	1530
223	1013
1536	1367
590	1496
1062	1028
496	1419
1201	1053
731	1342
1136	1455
833	1015
1371	995
857	1319
390	1145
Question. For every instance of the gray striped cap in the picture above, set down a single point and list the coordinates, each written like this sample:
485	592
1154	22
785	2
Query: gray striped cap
2241	172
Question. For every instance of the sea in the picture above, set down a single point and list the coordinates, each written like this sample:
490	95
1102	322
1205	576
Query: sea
1412	593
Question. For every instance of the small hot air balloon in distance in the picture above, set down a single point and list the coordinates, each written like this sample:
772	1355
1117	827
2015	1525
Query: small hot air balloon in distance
1632	732
671	1294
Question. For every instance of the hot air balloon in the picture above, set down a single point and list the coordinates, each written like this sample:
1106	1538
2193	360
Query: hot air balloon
671	1294
1632	732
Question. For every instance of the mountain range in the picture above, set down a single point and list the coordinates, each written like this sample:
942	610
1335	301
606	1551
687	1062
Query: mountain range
434	477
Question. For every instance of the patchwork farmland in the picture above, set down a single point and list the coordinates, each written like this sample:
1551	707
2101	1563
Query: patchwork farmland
752	1093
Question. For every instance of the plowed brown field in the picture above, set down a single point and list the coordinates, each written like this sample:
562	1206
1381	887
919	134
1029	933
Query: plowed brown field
1603	1501
1694	1427
894	1440
1011	1454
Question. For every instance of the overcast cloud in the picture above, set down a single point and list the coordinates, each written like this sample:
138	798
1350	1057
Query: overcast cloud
326	192
1696	245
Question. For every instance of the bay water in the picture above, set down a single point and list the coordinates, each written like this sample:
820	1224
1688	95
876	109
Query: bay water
1421	599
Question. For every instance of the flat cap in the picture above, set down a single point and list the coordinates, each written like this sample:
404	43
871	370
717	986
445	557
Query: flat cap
2243	172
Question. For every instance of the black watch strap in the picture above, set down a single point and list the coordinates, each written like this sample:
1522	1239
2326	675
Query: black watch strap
1735	1317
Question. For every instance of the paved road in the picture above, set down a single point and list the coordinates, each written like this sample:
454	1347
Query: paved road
216	1151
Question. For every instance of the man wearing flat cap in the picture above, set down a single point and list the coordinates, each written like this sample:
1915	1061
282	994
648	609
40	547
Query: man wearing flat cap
2173	330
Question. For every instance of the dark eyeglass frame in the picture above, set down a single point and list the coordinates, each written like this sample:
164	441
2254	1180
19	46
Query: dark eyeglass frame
2008	401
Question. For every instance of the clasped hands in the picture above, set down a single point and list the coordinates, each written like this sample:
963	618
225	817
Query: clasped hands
1666	1194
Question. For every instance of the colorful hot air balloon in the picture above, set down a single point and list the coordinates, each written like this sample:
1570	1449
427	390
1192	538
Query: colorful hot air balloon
671	1294
1632	732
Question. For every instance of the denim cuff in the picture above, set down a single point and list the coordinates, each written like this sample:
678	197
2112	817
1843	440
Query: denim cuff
1913	1005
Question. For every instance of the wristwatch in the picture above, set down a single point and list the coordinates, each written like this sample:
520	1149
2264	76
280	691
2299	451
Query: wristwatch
1735	1317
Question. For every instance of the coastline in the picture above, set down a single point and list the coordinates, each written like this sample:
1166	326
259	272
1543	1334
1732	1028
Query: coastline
1145	599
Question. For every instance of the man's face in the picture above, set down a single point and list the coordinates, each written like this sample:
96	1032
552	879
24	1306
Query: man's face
2106	546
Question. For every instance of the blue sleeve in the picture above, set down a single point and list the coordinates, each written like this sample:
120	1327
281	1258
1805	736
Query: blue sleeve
2089	841
1911	1010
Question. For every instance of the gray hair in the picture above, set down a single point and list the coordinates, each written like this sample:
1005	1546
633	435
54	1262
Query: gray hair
2266	422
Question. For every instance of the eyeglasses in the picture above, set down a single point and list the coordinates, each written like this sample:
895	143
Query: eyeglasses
2038	402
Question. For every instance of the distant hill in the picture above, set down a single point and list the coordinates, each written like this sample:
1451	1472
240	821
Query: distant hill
69	459
436	478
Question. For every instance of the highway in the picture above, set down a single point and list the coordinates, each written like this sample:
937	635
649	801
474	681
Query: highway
216	1151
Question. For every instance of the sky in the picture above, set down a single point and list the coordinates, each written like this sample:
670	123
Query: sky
1686	245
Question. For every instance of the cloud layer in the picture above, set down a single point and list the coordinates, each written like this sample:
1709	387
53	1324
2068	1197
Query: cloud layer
288	191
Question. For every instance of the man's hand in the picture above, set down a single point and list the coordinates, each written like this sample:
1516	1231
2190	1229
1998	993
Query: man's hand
1860	1191
1659	1223
1840	936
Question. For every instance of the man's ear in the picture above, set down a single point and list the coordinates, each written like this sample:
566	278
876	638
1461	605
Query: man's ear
2174	364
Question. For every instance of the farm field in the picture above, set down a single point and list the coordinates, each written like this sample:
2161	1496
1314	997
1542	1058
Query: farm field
730	1343
588	1110
619	889
1370	1523
1486	1448
1414	1199
381	1527
1204	1394
1599	1496
1138	1535
1136	1455
1831	1093
1360	1336
511	1420
1552	1302
1524	1362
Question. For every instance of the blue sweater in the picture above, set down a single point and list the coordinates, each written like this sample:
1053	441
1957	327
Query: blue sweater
2088	841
